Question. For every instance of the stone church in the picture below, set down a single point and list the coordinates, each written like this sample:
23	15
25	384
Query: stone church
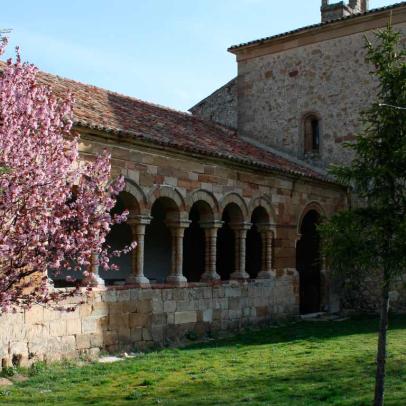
224	200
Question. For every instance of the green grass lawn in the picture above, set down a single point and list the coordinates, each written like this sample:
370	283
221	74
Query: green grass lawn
308	363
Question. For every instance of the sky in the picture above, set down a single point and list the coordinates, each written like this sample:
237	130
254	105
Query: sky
169	52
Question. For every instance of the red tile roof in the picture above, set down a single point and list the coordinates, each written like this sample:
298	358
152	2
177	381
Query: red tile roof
315	26
96	108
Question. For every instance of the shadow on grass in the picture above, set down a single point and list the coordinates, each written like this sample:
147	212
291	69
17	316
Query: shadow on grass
304	330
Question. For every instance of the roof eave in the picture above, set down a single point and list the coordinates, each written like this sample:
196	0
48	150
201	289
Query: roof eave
318	28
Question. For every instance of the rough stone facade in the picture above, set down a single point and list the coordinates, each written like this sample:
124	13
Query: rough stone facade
319	71
130	319
221	106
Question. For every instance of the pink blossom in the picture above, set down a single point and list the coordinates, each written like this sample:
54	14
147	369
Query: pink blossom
54	210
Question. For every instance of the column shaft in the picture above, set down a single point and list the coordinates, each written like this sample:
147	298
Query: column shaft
210	253
176	275
240	231
267	248
137	277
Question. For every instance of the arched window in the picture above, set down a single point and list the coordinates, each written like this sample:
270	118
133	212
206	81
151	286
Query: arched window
311	134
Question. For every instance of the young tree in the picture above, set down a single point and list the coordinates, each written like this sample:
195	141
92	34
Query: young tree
54	208
370	239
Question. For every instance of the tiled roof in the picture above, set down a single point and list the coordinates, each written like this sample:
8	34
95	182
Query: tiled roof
100	109
113	113
315	26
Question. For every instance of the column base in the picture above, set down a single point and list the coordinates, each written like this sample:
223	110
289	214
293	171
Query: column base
266	275
177	280
210	276
140	281
94	281
237	275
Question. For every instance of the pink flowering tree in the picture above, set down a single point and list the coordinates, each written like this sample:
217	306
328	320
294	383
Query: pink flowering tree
54	208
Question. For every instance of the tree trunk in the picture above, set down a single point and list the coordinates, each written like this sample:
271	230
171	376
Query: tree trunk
381	356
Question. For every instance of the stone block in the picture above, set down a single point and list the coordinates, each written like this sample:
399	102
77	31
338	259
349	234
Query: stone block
82	341
136	334
119	321
19	348
96	340
100	309
139	319
232	291
73	326
185	317
146	334
170	306
157	305
89	325
34	315
123	295
85	310
110	338
207	315
144	306
57	328
109	296
185	305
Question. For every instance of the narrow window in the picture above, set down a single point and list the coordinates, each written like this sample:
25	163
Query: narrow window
311	134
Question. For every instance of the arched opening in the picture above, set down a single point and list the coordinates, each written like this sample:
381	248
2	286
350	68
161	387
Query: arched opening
308	264
119	237
255	252
158	242
232	215
194	244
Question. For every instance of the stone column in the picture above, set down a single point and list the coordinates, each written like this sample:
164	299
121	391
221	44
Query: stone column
210	232
267	244
240	232
177	232
138	225
94	279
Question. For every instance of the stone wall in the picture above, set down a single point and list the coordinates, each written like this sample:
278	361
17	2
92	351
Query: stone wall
329	79
130	319
221	106
274	90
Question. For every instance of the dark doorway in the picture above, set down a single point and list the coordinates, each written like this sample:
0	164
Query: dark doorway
226	241
254	242
254	252
308	264
119	237
194	247
158	242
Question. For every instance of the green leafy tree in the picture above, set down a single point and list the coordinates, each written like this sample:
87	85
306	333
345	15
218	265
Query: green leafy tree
369	240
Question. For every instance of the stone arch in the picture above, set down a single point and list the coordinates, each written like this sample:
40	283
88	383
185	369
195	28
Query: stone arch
237	200
314	205
172	194
138	194
265	202
204	196
309	262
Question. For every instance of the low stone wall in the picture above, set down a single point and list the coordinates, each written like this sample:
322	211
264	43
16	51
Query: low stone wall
124	318
364	296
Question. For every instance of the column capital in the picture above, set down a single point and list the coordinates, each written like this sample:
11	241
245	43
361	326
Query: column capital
179	224
211	224
265	227
240	226
137	220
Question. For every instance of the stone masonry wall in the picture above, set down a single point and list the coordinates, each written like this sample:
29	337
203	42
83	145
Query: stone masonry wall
130	319
221	106
329	79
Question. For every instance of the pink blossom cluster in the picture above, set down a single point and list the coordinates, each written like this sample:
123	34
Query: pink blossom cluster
54	208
